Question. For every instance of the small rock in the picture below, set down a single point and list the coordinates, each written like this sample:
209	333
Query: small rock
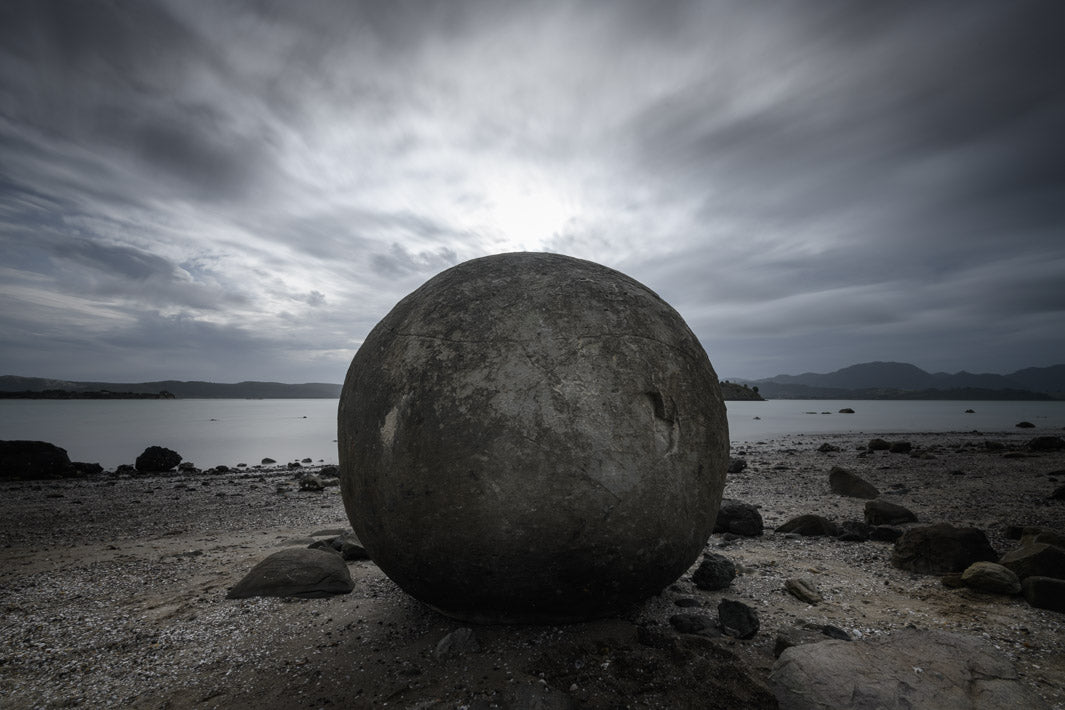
737	619
879	445
685	602
810	525
736	465
457	643
846	410
1044	592
693	624
312	484
738	517
1046	443
827	448
267	461
854	531
157	459
1025	425
293	465
803	590
991	577
900	447
882	512
186	467
885	533
295	572
714	572
847	483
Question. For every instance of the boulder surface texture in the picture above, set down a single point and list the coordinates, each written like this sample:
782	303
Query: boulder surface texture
906	669
532	438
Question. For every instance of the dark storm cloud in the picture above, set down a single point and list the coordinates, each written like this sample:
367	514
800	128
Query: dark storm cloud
810	184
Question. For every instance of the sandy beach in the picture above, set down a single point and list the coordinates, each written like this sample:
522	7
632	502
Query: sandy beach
113	593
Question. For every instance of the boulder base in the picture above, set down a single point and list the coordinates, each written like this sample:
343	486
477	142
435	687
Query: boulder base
531	437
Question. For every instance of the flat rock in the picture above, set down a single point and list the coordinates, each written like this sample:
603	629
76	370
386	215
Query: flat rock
905	669
804	590
941	548
295	572
809	525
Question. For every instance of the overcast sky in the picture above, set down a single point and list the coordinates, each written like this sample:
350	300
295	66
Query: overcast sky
241	190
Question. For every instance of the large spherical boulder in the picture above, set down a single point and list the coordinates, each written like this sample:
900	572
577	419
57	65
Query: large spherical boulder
532	437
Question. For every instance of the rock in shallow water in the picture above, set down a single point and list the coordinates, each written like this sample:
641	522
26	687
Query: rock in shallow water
531	437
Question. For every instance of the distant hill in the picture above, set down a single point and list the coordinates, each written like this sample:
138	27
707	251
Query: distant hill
181	390
899	380
732	392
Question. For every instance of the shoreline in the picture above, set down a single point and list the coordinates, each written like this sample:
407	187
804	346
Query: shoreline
113	591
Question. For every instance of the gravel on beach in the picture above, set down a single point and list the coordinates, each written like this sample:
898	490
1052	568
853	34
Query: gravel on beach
113	592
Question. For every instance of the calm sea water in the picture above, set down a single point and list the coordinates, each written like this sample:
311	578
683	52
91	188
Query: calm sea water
209	432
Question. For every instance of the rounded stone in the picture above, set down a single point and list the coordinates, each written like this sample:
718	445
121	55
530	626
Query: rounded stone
532	438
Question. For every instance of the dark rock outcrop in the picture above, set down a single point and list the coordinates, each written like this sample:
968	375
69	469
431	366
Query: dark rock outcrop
33	460
941	548
295	572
